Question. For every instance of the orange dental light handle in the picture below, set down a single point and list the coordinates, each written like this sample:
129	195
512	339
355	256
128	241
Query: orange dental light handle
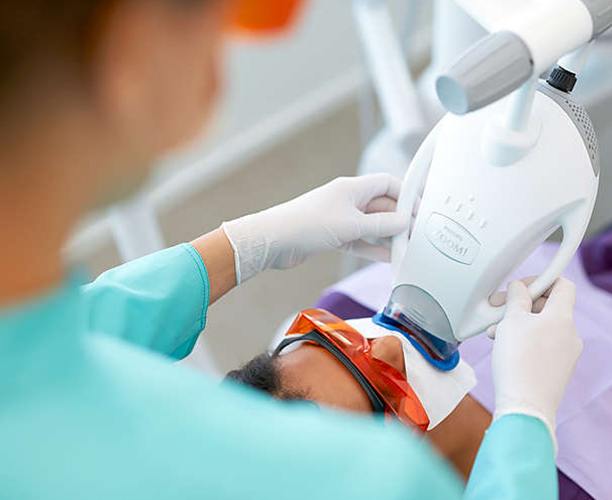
264	17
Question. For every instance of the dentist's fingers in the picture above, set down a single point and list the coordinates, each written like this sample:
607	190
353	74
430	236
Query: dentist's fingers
562	297
518	299
538	307
386	204
383	224
375	186
381	204
499	298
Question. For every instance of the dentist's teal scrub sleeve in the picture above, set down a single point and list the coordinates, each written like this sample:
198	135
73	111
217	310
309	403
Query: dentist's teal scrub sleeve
92	407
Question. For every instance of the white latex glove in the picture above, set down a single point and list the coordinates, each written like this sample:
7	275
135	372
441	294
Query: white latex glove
534	354
355	214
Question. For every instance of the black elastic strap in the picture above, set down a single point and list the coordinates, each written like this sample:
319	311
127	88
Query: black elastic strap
314	336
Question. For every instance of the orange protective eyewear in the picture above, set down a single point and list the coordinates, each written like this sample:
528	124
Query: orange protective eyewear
263	16
387	389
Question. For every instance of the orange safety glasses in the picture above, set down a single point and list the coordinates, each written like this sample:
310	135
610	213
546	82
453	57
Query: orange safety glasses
263	16
387	389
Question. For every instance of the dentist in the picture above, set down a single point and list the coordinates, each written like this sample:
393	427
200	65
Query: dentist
91	406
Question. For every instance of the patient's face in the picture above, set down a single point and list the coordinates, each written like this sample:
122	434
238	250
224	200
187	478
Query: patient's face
311	372
314	372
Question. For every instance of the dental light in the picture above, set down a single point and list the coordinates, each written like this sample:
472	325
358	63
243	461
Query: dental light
498	175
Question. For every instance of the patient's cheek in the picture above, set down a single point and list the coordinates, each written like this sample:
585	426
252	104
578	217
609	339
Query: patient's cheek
389	349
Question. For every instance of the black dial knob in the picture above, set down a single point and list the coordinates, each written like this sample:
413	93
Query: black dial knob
562	79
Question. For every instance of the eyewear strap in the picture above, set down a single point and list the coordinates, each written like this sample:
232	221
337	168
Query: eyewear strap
314	336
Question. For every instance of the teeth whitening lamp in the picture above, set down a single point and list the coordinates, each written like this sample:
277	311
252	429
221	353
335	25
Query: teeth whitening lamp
498	175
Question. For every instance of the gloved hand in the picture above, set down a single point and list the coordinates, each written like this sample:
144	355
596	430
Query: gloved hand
355	214
534	354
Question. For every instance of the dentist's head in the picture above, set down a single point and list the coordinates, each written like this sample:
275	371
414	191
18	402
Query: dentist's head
103	87
91	93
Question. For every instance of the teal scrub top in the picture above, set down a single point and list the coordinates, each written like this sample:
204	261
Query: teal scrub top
92	407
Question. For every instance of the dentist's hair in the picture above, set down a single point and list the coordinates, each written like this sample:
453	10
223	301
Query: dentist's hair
51	32
34	30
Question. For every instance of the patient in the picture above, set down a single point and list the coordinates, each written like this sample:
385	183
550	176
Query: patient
584	423
310	372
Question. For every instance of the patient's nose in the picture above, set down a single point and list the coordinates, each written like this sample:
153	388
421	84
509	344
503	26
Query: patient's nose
389	350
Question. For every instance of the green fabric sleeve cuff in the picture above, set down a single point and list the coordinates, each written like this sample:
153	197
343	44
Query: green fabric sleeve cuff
201	267
187	347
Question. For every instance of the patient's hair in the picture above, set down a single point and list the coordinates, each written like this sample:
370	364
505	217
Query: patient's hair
264	374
